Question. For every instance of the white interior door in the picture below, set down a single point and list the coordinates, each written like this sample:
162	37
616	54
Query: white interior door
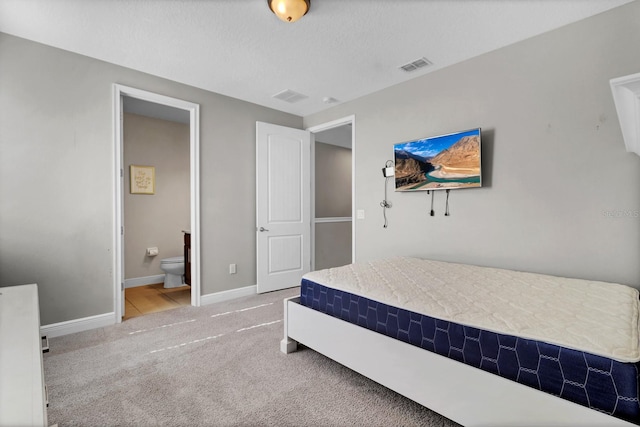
283	217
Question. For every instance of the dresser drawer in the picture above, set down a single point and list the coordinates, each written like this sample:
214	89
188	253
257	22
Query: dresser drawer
22	391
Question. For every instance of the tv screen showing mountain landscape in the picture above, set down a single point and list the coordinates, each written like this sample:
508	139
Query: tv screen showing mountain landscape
439	162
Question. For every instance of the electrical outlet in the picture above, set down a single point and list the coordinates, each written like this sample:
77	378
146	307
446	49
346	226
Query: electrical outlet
232	269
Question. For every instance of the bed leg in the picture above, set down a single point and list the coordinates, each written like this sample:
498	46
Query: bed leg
287	345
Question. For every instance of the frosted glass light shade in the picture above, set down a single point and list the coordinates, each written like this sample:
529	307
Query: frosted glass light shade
289	10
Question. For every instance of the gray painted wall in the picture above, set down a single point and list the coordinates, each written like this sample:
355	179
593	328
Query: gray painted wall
57	177
557	178
332	244
333	181
155	220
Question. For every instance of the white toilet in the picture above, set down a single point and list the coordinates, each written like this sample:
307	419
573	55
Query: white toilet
174	271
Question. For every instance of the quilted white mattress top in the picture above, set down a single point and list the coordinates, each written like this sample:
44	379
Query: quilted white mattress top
594	317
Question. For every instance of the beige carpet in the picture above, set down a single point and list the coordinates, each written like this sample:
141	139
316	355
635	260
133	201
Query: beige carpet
217	365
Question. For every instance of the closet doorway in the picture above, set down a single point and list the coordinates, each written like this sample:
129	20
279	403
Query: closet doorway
333	229
158	224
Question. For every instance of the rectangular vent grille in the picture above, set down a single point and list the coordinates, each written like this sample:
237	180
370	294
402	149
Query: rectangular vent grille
290	96
414	65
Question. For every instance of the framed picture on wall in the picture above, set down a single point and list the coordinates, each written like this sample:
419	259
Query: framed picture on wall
143	179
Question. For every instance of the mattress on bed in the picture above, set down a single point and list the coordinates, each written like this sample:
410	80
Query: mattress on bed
373	295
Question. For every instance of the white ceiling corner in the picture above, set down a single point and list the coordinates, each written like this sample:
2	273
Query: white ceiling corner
340	49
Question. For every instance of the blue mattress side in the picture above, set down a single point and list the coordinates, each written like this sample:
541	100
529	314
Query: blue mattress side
597	382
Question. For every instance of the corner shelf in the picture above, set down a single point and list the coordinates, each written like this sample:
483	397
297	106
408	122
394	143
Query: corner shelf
626	95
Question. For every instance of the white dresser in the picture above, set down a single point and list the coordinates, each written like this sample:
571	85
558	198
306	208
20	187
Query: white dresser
22	392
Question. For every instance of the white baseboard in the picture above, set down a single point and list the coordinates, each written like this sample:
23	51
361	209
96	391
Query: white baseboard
78	325
227	295
142	281
108	319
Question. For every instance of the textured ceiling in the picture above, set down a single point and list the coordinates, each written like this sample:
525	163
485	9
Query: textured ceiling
342	49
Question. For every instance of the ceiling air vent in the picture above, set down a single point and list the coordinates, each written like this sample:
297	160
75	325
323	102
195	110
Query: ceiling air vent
289	96
414	65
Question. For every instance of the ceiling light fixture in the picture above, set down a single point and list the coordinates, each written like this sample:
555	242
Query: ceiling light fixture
289	10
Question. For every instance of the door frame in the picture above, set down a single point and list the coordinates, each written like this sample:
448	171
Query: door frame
120	91
319	128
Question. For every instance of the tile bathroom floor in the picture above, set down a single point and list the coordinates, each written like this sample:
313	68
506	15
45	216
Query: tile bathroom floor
147	299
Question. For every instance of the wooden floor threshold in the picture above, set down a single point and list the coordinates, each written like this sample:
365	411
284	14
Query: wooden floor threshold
147	299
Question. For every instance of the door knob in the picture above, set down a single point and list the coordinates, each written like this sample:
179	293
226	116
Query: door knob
262	229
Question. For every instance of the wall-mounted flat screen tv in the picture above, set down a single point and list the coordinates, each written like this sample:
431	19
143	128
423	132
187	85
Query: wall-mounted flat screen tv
439	162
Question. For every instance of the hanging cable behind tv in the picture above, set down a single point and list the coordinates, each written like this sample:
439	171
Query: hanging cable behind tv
433	193
446	208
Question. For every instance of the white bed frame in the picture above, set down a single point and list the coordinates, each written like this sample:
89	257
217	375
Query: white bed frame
460	392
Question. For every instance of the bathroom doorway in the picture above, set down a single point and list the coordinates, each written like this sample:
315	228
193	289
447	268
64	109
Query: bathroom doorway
157	234
155	136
